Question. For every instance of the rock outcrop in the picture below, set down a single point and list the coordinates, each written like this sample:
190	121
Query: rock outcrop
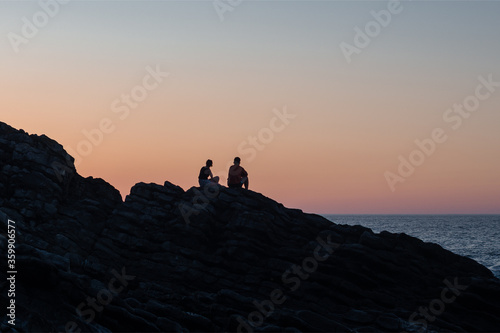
214	260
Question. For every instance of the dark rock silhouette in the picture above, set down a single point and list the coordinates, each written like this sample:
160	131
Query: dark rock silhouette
169	260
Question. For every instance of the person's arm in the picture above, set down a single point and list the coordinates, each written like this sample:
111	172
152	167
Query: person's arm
244	176
210	174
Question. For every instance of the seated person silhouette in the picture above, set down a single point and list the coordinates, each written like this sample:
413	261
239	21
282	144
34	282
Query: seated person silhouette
237	175
206	177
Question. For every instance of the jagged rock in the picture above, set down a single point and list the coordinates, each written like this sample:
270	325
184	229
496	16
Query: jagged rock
213	260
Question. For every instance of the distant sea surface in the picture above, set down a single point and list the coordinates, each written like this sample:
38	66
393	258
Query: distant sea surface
473	236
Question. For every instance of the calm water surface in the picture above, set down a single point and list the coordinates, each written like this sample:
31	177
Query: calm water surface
473	236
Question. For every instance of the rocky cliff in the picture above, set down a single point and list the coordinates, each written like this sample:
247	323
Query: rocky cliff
213	260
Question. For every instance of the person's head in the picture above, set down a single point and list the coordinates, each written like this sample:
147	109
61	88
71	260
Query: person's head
237	161
209	163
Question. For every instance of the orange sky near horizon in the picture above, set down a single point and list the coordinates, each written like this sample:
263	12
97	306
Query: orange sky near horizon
231	84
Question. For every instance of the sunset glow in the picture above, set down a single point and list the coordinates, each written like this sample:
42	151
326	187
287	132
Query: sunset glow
148	91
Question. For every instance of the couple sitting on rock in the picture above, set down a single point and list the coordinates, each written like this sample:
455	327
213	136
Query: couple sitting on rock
236	179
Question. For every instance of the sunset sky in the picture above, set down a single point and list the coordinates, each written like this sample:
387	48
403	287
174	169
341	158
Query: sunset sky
317	127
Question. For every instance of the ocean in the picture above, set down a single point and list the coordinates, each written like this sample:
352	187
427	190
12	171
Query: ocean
472	236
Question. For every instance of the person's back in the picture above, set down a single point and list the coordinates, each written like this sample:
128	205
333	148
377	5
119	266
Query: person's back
206	177
204	173
237	175
236	172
